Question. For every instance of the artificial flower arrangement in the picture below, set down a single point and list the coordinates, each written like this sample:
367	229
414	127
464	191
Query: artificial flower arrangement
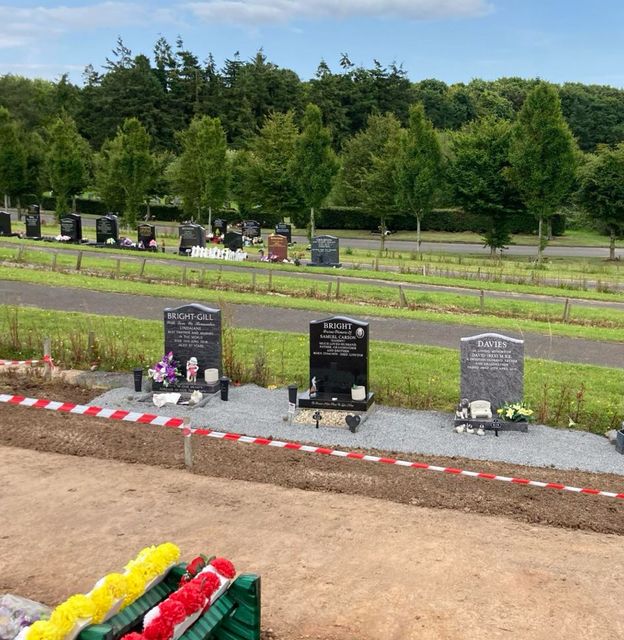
515	412
111	241
165	371
111	594
205	580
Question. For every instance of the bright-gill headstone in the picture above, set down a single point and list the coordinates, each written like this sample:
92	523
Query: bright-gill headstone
492	369
194	331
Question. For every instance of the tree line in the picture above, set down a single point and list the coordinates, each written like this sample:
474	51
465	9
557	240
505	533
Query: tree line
255	134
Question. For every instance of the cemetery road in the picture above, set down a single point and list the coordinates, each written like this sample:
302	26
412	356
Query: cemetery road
562	349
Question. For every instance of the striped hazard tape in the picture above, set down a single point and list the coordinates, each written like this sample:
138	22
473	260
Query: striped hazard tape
164	421
25	363
93	411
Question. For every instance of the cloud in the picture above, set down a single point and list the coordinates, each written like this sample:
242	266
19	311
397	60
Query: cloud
22	26
254	12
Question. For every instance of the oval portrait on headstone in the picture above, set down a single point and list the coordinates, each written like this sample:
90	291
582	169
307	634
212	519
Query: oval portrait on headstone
359	332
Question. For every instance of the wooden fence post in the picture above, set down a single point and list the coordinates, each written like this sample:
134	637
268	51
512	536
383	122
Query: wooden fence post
47	357
79	261
402	298
54	259
188	445
482	301
270	279
329	289
142	269
337	287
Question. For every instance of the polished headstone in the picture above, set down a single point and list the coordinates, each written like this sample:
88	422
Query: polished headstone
71	227
145	234
252	229
325	251
277	247
492	369
191	235
5	223
193	331
107	228
283	229
33	222
233	240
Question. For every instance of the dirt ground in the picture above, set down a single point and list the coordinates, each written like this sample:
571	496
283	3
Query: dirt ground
346	549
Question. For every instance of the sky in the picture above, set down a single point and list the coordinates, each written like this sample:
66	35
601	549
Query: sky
451	40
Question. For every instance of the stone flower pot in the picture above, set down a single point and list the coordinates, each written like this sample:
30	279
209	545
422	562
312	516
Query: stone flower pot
358	393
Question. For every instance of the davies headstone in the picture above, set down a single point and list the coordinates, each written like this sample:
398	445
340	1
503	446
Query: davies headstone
492	369
194	331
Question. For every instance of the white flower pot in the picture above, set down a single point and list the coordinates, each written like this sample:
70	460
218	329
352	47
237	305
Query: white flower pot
358	393
211	375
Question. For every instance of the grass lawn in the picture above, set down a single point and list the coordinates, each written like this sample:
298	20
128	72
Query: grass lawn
402	375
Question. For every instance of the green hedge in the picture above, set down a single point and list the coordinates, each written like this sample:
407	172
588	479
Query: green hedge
453	220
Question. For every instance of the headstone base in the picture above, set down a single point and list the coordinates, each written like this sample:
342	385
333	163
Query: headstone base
338	401
334	265
488	425
187	387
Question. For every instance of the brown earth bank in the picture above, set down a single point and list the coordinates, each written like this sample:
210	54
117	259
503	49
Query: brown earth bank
333	567
111	440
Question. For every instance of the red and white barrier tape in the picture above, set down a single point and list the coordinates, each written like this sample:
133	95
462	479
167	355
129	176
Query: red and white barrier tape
25	363
147	418
91	410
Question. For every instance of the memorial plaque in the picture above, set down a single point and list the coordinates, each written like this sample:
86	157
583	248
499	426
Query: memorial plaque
233	240
252	229
283	229
219	227
5	223
71	226
278	247
106	228
492	369
191	235
325	251
146	233
338	363
194	331
33	222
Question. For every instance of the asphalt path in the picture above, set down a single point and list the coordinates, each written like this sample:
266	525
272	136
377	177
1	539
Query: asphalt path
312	275
557	348
427	247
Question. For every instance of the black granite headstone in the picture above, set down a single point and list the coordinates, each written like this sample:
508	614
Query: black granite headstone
106	228
191	235
145	234
33	222
252	229
283	229
338	363
5	223
233	240
325	251
492	369
194	331
71	226
219	227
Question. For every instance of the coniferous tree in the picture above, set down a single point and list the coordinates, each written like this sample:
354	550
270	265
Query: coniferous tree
67	162
314	164
542	156
419	167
